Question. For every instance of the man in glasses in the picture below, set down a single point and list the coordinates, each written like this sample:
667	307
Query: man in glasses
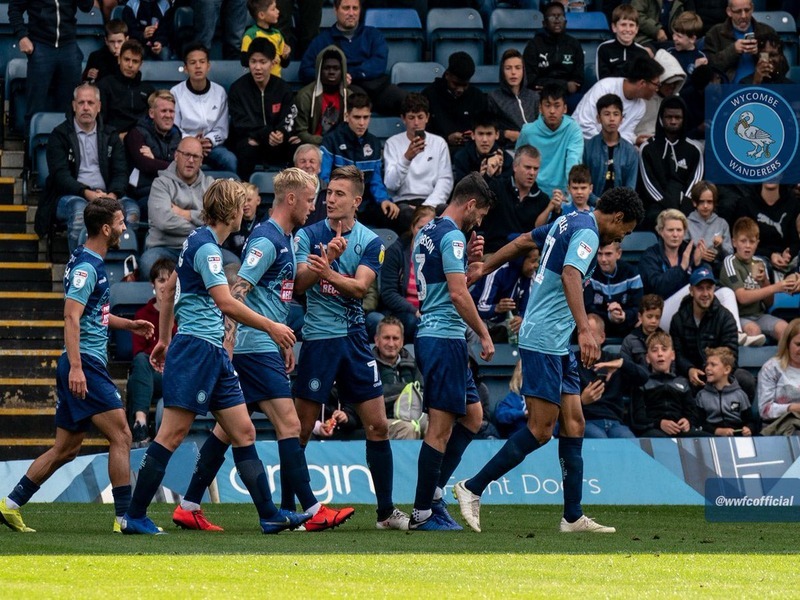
731	46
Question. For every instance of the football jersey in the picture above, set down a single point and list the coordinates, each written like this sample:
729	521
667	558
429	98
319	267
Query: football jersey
85	281
439	248
571	240
199	269
329	314
268	264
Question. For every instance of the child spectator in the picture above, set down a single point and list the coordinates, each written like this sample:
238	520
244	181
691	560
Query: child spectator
634	345
105	61
579	191
614	291
265	13
686	29
147	25
663	407
483	153
123	96
706	227
513	104
747	276
724	408
252	215
615	56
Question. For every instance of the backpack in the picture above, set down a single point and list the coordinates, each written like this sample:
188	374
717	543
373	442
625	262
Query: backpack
408	406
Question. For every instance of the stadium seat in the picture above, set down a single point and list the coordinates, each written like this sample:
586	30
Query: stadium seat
497	373
328	17
16	75
785	306
163	74
385	127
225	72
414	77
388	237
784	25
634	245
403	32
487	77
90	32
183	29
124	300
752	359
221	174
127	246
513	28
42	125
9	45
266	186
794	73
291	75
589	26
589	72
452	30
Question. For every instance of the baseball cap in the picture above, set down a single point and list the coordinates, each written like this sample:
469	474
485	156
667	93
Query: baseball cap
701	274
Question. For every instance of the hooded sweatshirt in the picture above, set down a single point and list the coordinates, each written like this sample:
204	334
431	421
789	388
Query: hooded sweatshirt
728	407
124	100
551	58
512	110
561	150
309	101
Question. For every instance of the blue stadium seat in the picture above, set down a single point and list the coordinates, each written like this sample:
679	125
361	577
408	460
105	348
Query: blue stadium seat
513	28
385	127
221	174
589	72
16	75
784	25
163	74
125	299
414	77
794	73
634	245
403	32
9	45
42	125
589	26
487	77
89	31
225	72
388	237
291	75
455	29
785	306
127	246
752	359
328	17
266	186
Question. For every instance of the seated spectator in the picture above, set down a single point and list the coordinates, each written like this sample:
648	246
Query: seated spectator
519	205
350	143
670	164
579	191
175	205
124	95
604	386
747	276
614	292
144	382
259	137
656	20
724	408
779	380
308	158
511	413
147	24
512	104
418	169
616	57
252	215
201	109
772	66
454	102
554	56
634	345
663	406
482	153
775	209
706	227
640	85
234	20
86	161
105	61
151	145
557	137
687	28
612	160
322	104
338	420
265	15
670	83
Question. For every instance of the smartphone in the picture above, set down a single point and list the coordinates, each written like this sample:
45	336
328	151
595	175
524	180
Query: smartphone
750	36
763	56
420	133
601	374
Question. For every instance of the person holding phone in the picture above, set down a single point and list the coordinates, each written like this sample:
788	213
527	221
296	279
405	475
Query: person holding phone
772	65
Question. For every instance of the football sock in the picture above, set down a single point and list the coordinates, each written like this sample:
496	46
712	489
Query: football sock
438	494
294	471
458	442
571	459
421	515
251	471
122	499
22	492
154	465
429	465
510	455
209	462
381	467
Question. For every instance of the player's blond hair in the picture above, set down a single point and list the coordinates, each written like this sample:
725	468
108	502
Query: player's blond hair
222	200
292	180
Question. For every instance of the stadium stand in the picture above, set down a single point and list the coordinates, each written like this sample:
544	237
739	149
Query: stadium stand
512	28
784	25
414	77
452	30
403	32
124	300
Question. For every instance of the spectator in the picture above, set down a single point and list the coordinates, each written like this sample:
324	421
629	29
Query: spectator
747	276
151	145
640	85
612	160
124	95
306	21
512	104
724	409
454	102
50	43
579	191
670	84
671	164
779	379
252	215
234	16
554	56
707	227
604	386
511	413
687	28
519	204
201	109
614	292
308	157
731	46
322	104
105	61
778	216
147	24
482	152
398	283
265	14
259	136
418	169
634	345
144	382
663	406
86	161
350	143
712	12
656	19
772	66
615	58
175	205
366	52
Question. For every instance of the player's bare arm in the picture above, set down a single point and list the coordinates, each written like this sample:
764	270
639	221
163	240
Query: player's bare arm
354	287
519	246
73	311
239	291
572	279
465	307
234	309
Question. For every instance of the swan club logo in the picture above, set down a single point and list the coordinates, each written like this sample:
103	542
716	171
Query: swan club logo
754	134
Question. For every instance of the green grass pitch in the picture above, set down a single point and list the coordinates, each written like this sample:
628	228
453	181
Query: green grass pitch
656	552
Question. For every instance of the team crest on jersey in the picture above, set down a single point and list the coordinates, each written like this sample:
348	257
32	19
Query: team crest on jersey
253	257
458	250
79	279
584	250
367	150
215	264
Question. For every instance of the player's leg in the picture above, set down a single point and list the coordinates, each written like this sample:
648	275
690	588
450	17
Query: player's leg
429	467
114	426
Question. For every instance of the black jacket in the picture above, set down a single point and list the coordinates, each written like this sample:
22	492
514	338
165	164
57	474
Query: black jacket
162	146
611	404
394	277
467	160
63	160
776	223
256	114
553	59
450	114
717	328
663	396
50	22
658	275
509	214
124	100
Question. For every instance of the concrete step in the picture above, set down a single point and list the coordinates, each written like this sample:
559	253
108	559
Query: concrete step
13	218
19	246
32	332
30	392
31	305
30	276
30	363
7	189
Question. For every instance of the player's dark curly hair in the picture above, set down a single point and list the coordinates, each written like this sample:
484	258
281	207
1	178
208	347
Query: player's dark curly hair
624	200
